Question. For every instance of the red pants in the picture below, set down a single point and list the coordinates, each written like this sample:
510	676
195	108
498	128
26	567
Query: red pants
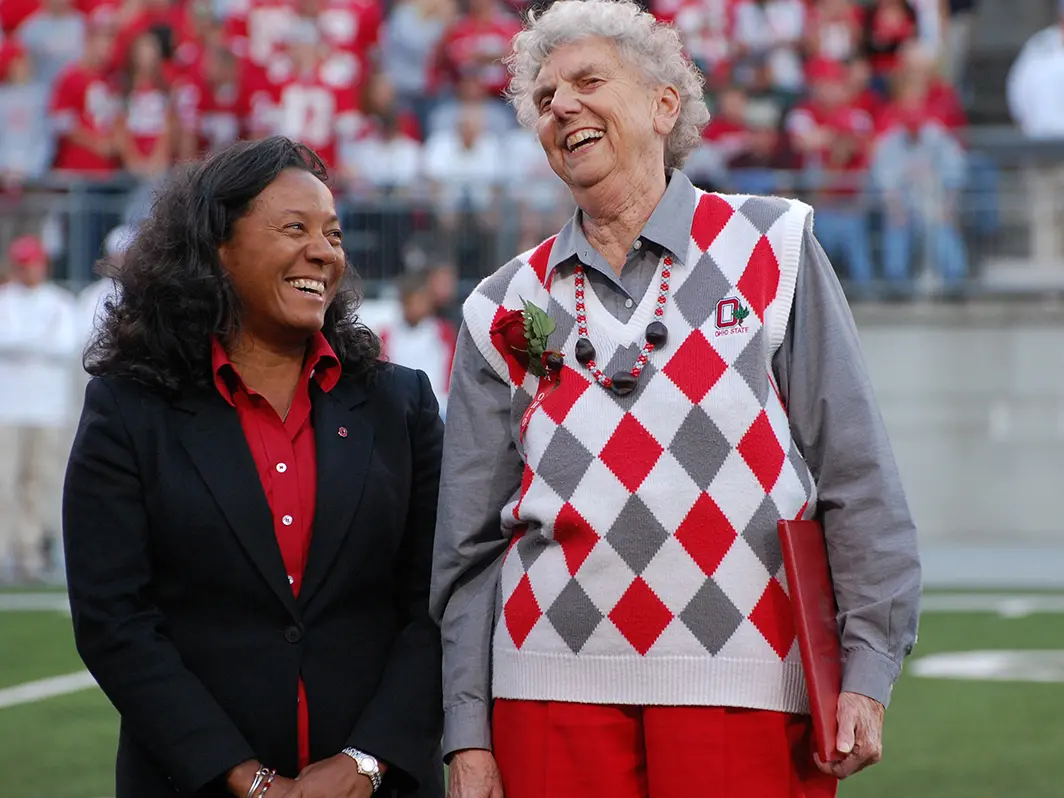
558	750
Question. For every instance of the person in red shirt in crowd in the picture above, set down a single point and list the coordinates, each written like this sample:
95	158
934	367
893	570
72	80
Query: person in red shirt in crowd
888	25
14	12
164	18
863	95
834	29
84	108
832	136
198	31
379	103
353	26
144	128
309	94
474	46
705	26
211	107
727	133
917	69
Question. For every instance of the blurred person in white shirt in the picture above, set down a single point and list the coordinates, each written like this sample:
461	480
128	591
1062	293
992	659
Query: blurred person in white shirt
418	338
38	344
91	299
1035	92
464	166
543	200
26	137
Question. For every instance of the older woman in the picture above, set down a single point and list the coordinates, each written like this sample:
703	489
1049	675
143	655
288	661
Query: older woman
635	403
250	503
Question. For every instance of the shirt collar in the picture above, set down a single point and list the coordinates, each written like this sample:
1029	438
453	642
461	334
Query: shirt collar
320	363
669	226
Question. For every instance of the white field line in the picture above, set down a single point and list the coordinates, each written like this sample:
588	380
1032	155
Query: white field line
30	692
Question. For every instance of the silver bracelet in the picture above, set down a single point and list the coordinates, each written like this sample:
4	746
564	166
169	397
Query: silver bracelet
261	775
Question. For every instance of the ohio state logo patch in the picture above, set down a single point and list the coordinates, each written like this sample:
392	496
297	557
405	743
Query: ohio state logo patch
731	313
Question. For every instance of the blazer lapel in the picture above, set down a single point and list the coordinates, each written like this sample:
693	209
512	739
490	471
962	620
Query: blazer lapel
215	441
344	441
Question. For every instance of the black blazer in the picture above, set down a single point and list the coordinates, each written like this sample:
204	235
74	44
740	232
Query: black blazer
181	605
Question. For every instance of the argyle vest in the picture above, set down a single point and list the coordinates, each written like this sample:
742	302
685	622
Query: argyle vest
644	565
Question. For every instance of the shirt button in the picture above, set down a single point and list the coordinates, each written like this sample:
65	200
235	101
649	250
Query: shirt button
287	520
638	244
291	580
628	303
281	468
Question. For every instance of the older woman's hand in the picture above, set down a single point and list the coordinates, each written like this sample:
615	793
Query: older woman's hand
474	774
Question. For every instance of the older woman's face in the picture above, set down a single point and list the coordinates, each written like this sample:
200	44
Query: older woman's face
598	116
285	259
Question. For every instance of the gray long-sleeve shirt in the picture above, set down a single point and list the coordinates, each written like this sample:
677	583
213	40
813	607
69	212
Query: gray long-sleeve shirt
835	422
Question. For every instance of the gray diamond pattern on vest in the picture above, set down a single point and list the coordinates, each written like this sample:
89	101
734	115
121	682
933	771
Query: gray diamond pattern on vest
795	458
530	547
636	535
564	463
697	446
496	289
763	212
711	616
574	616
697	298
565	323
760	534
749	364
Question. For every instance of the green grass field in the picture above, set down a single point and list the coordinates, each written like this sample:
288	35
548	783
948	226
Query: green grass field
944	738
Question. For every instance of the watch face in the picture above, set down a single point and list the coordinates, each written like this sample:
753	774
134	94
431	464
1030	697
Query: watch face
368	764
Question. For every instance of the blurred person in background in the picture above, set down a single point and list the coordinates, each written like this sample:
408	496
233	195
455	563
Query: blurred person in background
144	129
443	287
960	23
888	25
54	37
473	46
767	163
614	505
419	338
409	40
211	106
831	135
498	116
385	159
1036	103
834	30
727	134
706	29
925	88
541	201
249	505
92	299
38	349
767	38
27	142
311	93
918	172
84	108
465	169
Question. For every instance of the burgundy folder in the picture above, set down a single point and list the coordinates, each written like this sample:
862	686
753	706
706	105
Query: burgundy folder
805	560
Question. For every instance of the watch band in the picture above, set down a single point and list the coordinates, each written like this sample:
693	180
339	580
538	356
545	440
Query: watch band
367	765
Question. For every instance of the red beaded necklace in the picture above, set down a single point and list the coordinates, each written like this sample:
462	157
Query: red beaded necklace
623	382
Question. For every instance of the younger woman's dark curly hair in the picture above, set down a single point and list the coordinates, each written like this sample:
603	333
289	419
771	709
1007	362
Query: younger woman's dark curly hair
174	293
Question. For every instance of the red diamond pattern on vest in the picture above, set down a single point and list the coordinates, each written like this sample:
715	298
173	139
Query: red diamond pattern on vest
640	616
563	394
762	451
540	257
711	216
575	536
774	618
631	452
706	534
761	279
522	611
695	367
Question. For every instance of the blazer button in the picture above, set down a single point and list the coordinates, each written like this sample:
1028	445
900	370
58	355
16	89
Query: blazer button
293	634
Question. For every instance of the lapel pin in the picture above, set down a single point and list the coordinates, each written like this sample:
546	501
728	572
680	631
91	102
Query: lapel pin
342	432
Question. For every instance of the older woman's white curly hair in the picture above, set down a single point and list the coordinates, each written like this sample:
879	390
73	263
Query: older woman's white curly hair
652	46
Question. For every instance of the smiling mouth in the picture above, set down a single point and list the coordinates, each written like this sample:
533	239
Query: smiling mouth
307	286
582	139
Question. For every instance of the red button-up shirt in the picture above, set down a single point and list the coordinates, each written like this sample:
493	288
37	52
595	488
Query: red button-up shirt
286	459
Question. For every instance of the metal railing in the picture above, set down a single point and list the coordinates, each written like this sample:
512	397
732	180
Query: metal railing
999	224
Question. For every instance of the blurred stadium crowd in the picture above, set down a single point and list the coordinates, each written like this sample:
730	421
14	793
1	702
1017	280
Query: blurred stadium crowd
857	106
